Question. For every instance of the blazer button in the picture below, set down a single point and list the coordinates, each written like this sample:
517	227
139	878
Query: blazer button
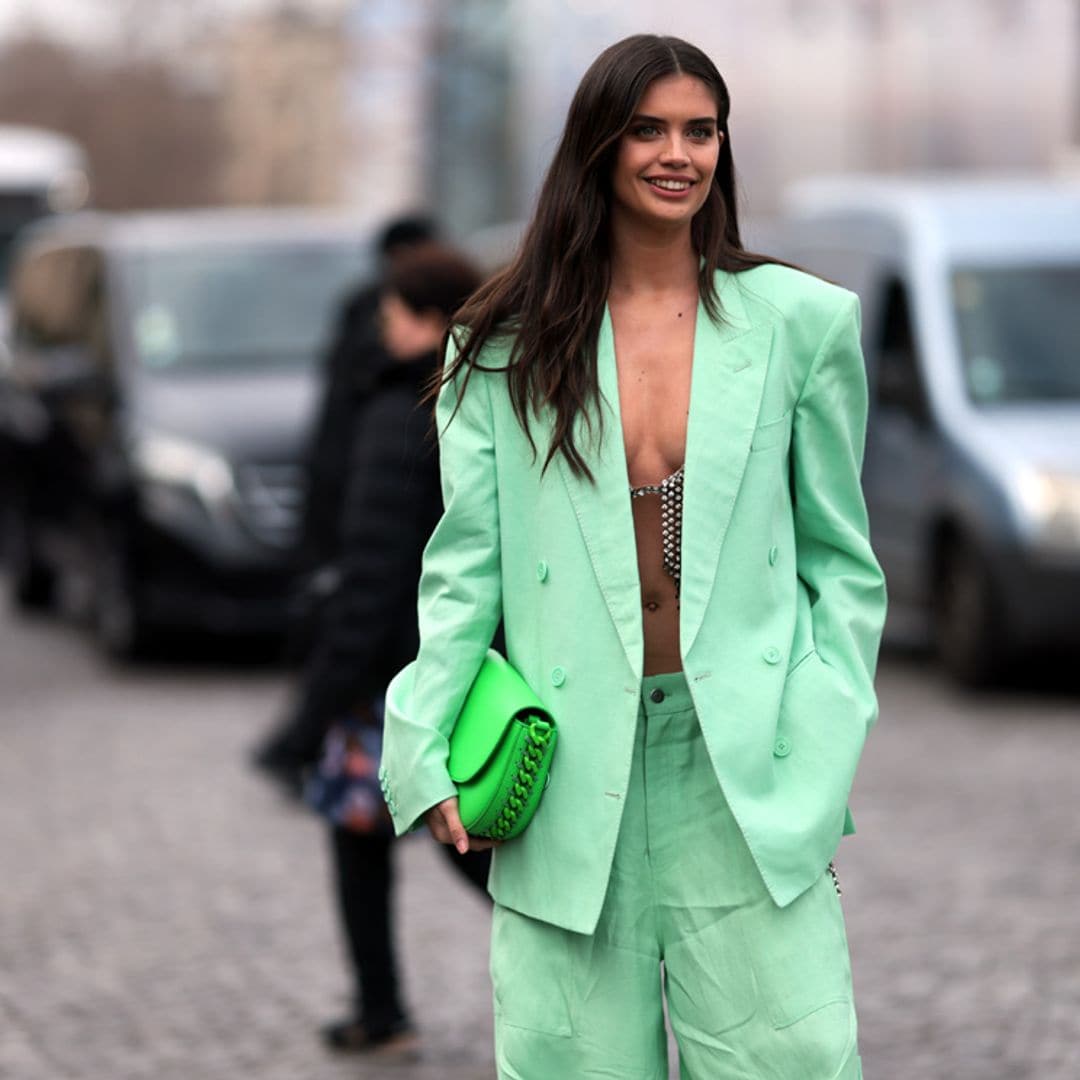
558	676
541	571
773	552
782	746
772	655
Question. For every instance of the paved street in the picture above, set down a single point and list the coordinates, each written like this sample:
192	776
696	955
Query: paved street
165	914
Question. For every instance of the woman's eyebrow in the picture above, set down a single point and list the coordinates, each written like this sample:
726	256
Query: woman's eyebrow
643	118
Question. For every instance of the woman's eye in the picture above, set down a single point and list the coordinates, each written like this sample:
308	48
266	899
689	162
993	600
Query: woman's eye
646	130
701	133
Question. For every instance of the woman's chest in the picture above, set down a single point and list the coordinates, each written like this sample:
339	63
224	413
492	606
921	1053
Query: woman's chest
654	363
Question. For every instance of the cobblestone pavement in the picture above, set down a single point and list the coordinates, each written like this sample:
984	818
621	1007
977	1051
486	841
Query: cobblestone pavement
165	914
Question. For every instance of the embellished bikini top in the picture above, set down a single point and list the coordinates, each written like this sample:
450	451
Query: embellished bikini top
670	490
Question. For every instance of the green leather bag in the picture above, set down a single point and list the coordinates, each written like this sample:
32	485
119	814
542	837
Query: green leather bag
500	752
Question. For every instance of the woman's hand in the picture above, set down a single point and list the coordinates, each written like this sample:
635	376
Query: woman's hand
446	827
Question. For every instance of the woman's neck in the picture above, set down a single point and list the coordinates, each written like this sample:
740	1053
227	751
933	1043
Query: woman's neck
645	260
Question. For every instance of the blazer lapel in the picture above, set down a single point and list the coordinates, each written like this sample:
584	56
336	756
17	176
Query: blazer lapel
603	510
730	362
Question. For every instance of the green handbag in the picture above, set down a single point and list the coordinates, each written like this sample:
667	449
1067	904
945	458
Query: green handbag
500	752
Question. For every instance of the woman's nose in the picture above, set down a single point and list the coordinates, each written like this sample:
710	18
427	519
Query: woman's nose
674	152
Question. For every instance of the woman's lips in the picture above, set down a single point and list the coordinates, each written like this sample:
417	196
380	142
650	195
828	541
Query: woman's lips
669	188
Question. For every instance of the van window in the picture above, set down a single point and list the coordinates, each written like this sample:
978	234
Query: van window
58	299
899	382
17	209
1018	328
60	321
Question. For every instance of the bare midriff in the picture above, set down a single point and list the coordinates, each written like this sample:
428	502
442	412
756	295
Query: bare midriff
659	596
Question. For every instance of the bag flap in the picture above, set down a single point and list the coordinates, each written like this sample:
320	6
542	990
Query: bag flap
498	696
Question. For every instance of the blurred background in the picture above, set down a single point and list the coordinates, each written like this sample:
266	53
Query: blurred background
189	197
458	104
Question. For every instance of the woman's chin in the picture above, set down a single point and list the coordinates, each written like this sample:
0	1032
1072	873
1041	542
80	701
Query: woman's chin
664	218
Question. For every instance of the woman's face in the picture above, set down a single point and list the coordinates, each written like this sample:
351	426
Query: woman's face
408	334
667	157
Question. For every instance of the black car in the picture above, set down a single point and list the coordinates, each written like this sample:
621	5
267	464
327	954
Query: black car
155	410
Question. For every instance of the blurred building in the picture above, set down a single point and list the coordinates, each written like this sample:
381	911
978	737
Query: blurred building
283	76
391	105
817	86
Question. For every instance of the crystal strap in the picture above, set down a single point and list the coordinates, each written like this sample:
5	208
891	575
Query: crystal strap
670	490
835	878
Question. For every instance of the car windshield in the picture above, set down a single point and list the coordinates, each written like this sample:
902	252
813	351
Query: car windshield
227	307
1019	330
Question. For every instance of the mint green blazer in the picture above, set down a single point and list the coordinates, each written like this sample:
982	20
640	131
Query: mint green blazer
782	600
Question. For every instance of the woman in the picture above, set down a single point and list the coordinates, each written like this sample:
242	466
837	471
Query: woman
390	504
651	442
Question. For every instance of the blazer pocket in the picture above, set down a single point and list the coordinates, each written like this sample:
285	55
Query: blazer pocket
771	433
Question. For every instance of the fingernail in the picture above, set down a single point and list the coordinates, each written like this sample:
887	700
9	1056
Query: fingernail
462	846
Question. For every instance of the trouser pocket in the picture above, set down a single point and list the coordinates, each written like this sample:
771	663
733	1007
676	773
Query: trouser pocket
802	974
800	955
531	973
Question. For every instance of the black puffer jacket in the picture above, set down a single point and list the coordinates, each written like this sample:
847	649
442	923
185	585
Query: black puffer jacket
391	504
351	367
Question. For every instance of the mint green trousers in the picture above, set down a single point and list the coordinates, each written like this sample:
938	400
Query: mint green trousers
753	991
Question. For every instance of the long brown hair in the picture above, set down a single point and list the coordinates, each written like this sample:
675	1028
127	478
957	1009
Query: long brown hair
549	302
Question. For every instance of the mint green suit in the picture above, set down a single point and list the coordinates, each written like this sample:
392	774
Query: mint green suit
782	600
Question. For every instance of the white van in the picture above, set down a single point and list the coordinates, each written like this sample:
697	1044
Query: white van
971	327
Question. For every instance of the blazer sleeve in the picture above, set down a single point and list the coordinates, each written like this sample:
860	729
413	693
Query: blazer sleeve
459	606
833	554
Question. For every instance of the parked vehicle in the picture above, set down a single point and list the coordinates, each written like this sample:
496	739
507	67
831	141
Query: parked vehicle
155	414
971	323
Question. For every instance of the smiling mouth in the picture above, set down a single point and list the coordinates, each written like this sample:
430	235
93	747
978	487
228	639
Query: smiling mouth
670	185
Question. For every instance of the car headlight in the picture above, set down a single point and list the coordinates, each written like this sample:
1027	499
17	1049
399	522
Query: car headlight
1050	501
177	463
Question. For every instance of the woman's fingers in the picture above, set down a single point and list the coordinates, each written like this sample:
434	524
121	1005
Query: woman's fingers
445	824
458	836
482	843
436	822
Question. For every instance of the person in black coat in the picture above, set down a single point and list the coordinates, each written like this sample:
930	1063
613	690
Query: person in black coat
353	361
368	631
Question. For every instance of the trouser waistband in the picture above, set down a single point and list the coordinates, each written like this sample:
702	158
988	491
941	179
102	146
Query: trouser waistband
665	693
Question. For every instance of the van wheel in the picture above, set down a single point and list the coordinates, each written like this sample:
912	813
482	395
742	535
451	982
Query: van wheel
32	582
967	627
120	626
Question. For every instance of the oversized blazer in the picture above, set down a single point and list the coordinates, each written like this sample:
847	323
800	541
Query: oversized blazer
782	600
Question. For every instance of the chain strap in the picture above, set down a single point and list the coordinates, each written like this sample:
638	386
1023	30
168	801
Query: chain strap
532	758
